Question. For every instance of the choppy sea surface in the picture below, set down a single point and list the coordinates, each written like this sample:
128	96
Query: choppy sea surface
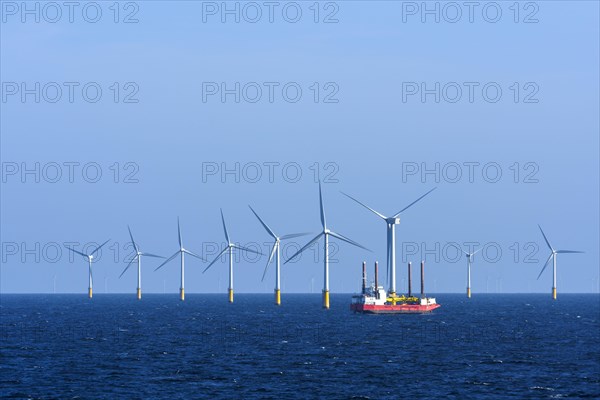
114	346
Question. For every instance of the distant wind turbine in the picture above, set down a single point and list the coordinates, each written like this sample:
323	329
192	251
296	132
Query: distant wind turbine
138	257
182	251
553	257
391	223
469	257
229	248
90	258
325	233
275	250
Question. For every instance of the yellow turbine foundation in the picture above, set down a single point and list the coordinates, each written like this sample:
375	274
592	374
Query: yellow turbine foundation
90	293
469	292
277	297
326	299
139	293
554	293
182	294
231	295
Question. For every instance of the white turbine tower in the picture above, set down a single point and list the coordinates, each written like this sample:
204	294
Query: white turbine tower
138	257
182	251
229	248
325	233
553	257
90	258
469	257
391	223
276	250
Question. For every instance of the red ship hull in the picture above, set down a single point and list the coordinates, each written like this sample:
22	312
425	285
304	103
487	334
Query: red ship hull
393	309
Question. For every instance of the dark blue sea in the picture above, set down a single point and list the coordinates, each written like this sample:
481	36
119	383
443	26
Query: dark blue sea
114	346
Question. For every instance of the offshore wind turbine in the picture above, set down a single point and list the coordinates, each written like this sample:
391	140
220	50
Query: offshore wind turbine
553	257
90	258
391	223
325	233
229	248
138	257
276	250
182	251
469	257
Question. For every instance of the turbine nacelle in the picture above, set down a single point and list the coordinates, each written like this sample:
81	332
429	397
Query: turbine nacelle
392	220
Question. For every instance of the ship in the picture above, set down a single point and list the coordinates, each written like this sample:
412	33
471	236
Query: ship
375	300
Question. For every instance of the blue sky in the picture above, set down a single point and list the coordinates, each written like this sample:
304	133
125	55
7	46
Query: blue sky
363	144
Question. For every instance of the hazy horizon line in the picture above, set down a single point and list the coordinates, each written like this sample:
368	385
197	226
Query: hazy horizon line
270	293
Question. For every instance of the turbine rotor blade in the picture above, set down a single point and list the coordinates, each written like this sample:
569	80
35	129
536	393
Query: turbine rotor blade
269	261
179	234
405	208
569	251
168	259
293	235
235	246
76	251
99	247
347	240
545	238
128	265
545	265
272	253
186	251
269	230
224	227
460	248
216	258
135	246
151	255
323	222
365	206
304	248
